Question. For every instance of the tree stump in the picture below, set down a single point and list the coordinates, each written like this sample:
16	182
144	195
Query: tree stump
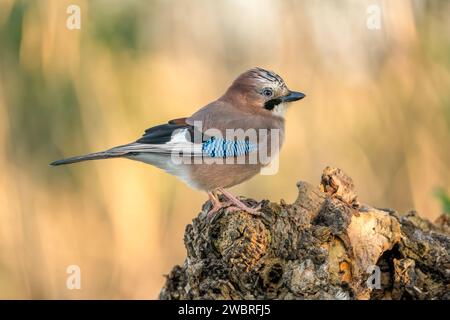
326	245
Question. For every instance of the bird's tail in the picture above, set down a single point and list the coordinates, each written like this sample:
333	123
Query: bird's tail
117	152
90	156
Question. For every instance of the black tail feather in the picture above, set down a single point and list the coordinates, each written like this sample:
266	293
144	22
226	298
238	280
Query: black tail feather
87	157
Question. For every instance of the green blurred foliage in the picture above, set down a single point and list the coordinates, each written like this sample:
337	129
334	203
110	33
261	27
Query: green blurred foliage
444	199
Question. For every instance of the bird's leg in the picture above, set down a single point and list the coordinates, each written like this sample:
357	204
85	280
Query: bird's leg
238	203
217	205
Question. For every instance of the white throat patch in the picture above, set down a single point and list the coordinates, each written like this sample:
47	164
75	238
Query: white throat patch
280	110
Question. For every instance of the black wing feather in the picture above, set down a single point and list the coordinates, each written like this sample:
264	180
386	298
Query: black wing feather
162	133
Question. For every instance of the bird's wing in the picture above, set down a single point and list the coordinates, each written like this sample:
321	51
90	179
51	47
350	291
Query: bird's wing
179	137
174	136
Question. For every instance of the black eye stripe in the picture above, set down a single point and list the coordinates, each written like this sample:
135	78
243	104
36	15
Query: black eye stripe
269	105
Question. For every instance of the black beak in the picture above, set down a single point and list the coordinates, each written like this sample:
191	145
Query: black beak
292	96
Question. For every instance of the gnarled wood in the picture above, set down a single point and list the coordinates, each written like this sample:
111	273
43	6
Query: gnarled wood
323	246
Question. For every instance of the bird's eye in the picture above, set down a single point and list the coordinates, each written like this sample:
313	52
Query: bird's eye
267	92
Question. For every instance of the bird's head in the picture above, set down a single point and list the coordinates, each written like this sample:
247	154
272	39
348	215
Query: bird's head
260	90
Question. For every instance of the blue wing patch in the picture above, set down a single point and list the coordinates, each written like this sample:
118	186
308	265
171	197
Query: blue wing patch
218	147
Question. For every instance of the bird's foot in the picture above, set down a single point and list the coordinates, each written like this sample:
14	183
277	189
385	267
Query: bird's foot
253	211
239	205
232	204
216	208
233	207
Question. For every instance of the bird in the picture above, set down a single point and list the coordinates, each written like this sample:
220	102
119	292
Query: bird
204	151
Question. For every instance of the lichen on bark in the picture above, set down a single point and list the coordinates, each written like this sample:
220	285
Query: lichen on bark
325	245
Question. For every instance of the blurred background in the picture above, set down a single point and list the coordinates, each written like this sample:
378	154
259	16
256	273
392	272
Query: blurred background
377	106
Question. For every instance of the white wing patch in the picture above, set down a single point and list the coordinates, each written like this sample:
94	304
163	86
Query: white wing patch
178	144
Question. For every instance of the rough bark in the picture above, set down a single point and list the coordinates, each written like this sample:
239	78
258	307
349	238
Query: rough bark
323	246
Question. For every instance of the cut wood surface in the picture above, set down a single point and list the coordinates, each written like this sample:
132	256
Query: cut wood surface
325	245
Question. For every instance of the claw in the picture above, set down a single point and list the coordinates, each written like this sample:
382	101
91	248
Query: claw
233	204
240	205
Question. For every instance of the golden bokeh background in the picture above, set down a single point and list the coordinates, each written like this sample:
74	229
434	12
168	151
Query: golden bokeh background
377	106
